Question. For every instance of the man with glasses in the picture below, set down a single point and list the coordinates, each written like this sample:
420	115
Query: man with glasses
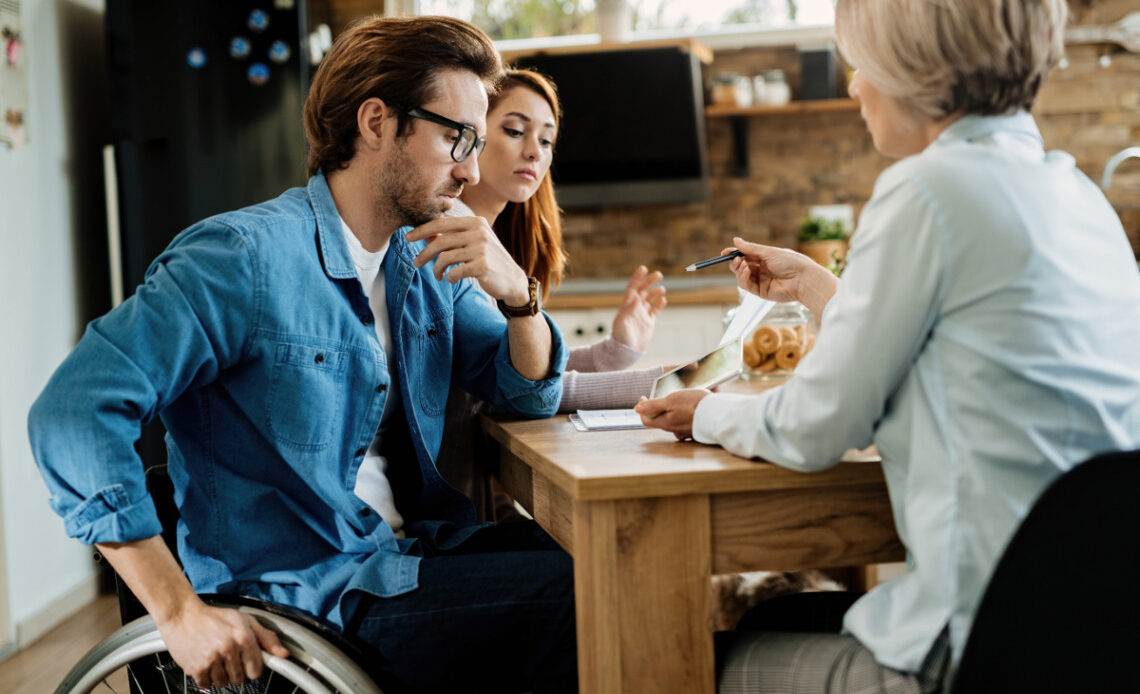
300	354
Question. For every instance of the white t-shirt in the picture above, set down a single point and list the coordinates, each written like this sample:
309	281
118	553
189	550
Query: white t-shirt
372	484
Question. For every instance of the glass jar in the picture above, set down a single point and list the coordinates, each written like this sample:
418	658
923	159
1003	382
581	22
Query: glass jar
779	342
759	90
723	91
776	89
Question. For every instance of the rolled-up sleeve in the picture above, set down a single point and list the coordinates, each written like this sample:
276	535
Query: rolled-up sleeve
522	395
483	358
186	322
871	333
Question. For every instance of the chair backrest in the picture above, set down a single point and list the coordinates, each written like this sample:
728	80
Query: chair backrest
1062	610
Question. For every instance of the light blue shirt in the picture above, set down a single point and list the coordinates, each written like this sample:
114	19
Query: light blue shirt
986	336
253	340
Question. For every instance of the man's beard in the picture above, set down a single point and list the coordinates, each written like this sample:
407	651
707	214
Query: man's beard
399	192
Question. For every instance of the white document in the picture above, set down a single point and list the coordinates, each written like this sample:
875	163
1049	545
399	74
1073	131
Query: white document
601	420
748	315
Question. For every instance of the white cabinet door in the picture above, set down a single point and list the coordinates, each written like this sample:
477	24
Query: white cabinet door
686	332
581	327
682	332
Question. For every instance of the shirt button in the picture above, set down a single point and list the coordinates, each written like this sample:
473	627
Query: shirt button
365	512
359	452
367	320
319	358
381	388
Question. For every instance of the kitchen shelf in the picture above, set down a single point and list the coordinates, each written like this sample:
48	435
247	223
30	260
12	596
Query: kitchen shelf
738	118
794	107
692	45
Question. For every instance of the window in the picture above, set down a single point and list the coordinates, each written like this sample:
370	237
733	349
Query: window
530	19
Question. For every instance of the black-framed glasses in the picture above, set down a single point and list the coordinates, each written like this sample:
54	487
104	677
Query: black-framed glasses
468	140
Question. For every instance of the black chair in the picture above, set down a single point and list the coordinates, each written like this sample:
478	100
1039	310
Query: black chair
322	660
1062	610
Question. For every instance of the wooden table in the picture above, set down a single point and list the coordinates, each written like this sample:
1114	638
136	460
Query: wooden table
649	520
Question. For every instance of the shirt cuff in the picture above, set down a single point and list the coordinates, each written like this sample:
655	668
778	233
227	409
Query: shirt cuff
108	515
533	398
717	413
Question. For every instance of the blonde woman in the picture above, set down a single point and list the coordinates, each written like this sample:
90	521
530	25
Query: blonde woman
983	336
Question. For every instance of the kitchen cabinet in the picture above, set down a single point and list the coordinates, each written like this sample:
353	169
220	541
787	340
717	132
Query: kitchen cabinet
682	332
691	325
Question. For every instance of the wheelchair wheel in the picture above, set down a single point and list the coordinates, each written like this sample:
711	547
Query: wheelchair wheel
134	658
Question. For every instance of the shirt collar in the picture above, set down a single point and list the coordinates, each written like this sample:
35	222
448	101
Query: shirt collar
974	127
335	255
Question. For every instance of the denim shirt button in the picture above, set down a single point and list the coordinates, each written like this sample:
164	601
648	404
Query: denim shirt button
359	452
319	358
367	320
365	512
381	388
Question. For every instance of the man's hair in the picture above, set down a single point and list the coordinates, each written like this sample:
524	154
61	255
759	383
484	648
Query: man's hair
532	230
954	56
396	59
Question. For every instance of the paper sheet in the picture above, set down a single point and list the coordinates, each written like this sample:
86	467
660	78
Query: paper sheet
748	314
601	420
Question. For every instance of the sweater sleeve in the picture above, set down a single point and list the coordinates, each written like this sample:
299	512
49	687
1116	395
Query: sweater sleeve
607	389
604	355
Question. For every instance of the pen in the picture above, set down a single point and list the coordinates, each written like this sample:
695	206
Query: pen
713	261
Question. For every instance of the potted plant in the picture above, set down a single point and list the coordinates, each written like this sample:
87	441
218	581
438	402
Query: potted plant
824	241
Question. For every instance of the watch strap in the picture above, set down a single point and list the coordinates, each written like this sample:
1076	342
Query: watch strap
531	308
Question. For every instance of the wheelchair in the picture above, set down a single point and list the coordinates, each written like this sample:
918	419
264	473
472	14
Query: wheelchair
134	657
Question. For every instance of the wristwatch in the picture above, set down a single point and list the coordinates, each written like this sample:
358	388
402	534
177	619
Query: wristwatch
531	308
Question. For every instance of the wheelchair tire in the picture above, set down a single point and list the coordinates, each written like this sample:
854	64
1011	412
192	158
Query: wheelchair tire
316	666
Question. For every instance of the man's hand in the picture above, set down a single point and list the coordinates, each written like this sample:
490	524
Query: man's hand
217	646
673	413
468	247
635	320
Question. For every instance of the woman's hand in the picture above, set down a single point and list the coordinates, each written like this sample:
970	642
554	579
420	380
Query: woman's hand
634	322
673	413
779	274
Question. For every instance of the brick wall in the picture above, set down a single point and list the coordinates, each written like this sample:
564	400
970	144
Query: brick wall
796	161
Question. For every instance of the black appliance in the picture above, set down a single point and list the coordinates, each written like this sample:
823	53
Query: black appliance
633	129
206	99
205	106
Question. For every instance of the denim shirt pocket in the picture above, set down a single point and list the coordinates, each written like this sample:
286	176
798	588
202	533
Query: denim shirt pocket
305	404
433	347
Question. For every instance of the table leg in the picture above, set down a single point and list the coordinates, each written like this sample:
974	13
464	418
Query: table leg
641	577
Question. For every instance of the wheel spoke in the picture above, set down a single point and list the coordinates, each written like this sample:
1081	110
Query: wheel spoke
107	684
161	672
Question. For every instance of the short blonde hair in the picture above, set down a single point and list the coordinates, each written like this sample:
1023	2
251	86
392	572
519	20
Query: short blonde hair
954	56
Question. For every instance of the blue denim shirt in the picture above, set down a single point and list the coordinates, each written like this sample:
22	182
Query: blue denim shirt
253	341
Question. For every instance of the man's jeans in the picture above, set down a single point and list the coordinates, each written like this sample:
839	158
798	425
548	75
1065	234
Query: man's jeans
495	616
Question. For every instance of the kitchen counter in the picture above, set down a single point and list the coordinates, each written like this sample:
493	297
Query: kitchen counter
681	290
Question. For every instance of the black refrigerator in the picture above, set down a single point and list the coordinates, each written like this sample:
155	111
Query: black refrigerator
205	109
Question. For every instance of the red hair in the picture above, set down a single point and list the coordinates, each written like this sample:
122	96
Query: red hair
532	230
